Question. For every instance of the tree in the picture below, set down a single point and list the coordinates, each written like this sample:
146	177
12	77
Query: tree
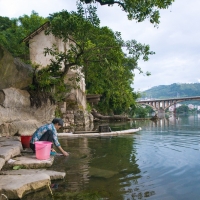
13	31
138	10
5	23
141	111
98	52
182	109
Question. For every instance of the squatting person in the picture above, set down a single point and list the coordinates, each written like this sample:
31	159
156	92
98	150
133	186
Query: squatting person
48	132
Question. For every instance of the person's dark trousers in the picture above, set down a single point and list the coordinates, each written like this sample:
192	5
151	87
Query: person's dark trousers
47	136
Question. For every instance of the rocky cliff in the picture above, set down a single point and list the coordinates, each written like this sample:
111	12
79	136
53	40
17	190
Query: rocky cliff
16	114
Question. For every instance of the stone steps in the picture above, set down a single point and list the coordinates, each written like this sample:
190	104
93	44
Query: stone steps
14	184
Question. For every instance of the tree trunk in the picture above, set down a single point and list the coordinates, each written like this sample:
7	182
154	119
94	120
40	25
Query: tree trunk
111	118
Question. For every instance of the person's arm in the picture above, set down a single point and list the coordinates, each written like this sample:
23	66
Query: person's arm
63	152
57	143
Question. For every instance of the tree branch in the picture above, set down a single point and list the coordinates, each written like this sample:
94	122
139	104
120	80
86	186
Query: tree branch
109	2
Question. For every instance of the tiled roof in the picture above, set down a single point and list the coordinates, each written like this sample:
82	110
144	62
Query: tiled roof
34	33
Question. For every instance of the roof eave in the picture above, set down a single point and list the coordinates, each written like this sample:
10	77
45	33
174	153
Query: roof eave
34	33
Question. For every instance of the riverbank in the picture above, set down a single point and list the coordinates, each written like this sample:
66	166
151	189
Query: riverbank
21	172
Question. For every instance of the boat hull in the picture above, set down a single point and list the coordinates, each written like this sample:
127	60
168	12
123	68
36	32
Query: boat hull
93	134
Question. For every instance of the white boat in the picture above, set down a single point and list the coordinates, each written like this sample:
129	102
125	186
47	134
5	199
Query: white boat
97	134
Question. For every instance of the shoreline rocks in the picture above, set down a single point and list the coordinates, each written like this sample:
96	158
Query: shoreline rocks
14	184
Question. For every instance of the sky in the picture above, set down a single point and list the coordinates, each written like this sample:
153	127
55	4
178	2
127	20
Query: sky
176	41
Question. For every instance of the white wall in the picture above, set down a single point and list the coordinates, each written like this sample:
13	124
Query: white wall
37	45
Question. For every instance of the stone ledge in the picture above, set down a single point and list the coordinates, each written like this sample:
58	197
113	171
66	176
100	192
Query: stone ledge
8	152
10	147
54	175
16	186
17	183
2	162
30	162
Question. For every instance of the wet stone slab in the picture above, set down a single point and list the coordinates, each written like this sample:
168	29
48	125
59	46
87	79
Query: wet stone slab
54	175
16	186
10	147
30	162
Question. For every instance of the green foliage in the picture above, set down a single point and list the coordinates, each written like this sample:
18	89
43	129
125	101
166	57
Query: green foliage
149	109
138	10
47	84
97	52
5	23
88	108
13	31
141	112
172	91
17	167
182	109
58	113
108	70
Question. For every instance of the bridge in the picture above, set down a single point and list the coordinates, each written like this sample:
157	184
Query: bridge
161	105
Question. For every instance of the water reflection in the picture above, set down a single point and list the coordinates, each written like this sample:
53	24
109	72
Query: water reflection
104	165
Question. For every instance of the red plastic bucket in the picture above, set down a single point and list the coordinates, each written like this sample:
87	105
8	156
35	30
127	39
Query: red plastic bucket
43	150
25	140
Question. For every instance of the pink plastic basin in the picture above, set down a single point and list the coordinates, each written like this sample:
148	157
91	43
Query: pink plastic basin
43	150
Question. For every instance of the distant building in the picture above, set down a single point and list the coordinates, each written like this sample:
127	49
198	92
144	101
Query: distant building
171	108
191	106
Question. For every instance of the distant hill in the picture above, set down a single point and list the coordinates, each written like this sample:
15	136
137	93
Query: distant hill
172	91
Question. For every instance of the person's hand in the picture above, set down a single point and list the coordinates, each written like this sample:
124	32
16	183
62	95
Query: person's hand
53	150
65	153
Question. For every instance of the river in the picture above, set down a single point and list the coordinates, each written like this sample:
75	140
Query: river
161	162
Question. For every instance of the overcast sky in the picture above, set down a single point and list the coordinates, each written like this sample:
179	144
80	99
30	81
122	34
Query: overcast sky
176	41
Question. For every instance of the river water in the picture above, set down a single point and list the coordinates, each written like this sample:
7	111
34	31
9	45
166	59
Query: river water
161	162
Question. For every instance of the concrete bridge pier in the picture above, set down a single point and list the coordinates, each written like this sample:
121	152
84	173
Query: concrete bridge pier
161	112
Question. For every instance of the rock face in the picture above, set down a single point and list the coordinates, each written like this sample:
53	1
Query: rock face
14	73
18	117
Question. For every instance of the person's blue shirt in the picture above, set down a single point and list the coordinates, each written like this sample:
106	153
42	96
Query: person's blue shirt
40	131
